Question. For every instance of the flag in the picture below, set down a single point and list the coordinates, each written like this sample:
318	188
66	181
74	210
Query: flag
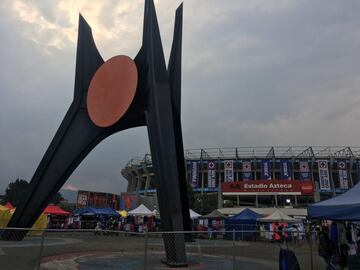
229	170
304	170
324	177
246	170
266	169
194	174
285	169
211	174
343	176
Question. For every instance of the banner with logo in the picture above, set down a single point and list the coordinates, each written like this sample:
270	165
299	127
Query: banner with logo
343	175
194	174
246	170
324	177
211	174
285	169
229	170
266	169
304	170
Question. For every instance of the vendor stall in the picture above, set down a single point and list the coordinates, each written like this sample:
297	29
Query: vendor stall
57	217
244	225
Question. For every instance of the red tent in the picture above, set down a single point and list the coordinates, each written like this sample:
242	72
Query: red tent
55	210
9	206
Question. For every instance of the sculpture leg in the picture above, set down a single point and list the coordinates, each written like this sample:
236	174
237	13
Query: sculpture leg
163	151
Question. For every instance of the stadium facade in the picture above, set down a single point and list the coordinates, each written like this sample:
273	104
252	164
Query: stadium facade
259	176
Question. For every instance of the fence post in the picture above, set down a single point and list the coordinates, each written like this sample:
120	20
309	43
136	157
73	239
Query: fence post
233	249
311	252
41	249
145	249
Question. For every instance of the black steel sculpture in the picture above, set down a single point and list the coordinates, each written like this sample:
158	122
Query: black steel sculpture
155	103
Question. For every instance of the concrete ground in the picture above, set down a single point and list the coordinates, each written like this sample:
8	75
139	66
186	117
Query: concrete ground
89	251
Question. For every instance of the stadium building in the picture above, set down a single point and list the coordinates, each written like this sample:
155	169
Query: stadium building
259	176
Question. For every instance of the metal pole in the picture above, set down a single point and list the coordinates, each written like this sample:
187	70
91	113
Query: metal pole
145	251
311	252
41	249
233	249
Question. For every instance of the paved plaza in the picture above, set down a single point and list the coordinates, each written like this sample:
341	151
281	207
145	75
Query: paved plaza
89	251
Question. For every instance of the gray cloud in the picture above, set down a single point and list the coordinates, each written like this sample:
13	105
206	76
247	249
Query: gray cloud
254	73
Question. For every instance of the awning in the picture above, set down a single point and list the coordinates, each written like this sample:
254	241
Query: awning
55	210
344	207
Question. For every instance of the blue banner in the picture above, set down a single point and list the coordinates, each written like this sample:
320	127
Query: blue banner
246	170
194	179
266	169
343	175
304	170
285	169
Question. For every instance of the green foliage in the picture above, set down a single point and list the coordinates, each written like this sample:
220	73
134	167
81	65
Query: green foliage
58	198
205	203
15	191
68	206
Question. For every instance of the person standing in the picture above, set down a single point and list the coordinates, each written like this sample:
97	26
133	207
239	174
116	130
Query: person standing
327	249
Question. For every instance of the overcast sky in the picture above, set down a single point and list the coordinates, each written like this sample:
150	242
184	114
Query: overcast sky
259	72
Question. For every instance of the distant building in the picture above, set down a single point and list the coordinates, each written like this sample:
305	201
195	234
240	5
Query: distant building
97	199
259	176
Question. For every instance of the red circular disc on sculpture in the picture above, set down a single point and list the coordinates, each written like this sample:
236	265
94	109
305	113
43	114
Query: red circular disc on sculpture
111	90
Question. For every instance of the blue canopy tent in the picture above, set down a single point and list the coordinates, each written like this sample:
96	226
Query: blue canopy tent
343	207
243	224
90	216
96	211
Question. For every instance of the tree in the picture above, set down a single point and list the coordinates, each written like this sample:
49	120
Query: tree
15	191
190	196
205	203
58	198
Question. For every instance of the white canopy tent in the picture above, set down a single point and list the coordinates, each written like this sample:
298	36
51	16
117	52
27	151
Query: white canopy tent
141	210
193	214
278	216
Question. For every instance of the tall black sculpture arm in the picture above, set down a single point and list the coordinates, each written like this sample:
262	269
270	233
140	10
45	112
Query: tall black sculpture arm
75	138
174	70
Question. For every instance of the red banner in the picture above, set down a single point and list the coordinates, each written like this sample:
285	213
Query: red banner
268	187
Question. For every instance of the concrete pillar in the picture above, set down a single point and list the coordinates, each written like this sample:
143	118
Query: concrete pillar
147	183
139	183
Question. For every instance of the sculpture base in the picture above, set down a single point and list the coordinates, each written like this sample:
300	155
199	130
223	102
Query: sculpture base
174	264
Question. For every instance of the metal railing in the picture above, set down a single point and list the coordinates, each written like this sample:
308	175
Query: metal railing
106	249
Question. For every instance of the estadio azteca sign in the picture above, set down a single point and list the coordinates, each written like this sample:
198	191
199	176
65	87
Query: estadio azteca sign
268	187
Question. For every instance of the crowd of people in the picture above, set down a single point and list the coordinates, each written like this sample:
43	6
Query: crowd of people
336	241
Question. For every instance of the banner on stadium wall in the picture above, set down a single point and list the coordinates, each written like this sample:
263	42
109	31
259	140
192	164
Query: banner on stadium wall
343	176
324	177
285	169
194	174
128	202
304	170
266	169
268	187
211	174
246	170
229	170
